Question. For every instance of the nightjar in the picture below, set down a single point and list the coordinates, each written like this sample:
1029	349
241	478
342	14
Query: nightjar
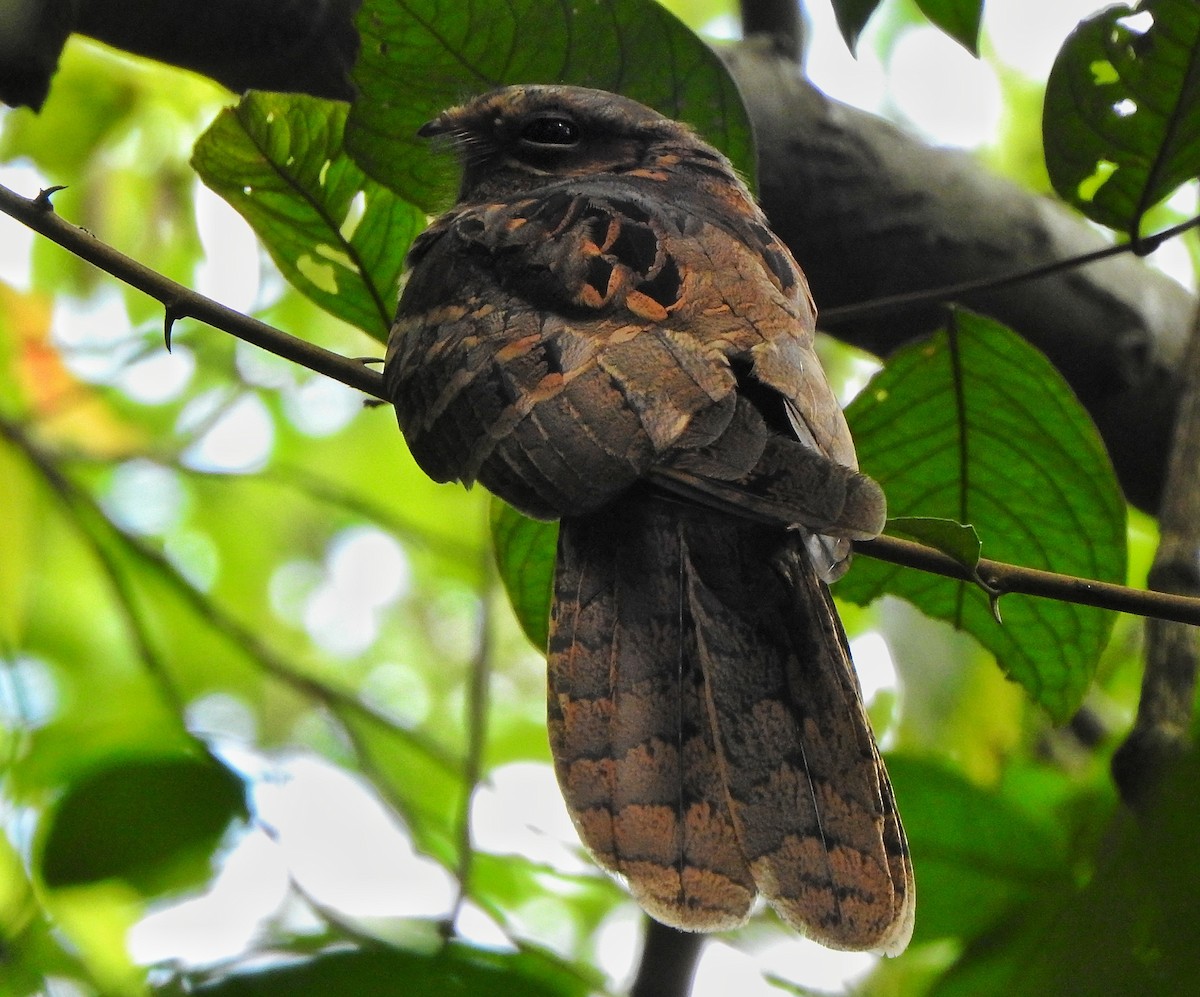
604	331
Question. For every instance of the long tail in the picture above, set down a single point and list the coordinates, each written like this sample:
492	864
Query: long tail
708	731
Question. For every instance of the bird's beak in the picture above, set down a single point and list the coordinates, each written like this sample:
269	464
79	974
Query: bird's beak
438	126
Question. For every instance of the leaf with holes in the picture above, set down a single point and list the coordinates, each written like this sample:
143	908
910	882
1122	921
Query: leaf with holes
420	57
1121	122
334	233
979	428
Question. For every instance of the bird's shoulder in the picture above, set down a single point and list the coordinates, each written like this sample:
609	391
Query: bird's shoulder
648	245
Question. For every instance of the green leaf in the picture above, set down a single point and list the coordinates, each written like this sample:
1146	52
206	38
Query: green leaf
422	784
20	500
525	554
420	57
986	432
852	17
1129	929
334	233
957	18
961	542
1121	122
456	970
977	854
152	822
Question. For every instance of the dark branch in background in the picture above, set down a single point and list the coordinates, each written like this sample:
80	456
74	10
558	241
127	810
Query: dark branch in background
869	211
180	301
779	21
1162	731
668	962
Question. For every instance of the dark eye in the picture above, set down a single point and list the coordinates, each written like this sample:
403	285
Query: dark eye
550	131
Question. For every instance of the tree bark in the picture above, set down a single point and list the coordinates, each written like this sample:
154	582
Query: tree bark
871	212
868	210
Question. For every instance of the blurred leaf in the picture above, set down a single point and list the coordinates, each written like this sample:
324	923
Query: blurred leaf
1129	930
420	57
977	856
957	18
337	235
988	433
90	103
525	554
1121	123
852	17
456	970
423	785
153	822
960	542
29	948
96	919
21	501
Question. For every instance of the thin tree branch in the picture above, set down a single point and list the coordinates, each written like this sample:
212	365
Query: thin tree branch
180	301
476	719
893	303
668	961
1003	578
995	574
778	20
259	653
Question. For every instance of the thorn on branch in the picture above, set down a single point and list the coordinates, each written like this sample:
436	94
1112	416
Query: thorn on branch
993	593
43	198
172	313
994	605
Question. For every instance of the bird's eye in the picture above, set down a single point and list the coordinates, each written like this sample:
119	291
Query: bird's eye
561	132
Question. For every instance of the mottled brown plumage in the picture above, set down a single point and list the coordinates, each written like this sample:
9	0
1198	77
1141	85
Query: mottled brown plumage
604	330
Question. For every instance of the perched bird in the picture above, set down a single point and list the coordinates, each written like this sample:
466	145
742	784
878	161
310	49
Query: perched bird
603	330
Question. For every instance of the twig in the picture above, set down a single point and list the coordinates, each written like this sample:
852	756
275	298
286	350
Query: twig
241	636
951	293
1005	578
995	574
182	302
476	721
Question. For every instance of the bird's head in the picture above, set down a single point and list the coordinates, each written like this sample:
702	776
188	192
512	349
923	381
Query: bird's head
520	138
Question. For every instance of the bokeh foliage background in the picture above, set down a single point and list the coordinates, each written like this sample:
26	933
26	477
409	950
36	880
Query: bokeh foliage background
219	572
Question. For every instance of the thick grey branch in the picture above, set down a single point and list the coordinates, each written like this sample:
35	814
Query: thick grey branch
1162	732
870	212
